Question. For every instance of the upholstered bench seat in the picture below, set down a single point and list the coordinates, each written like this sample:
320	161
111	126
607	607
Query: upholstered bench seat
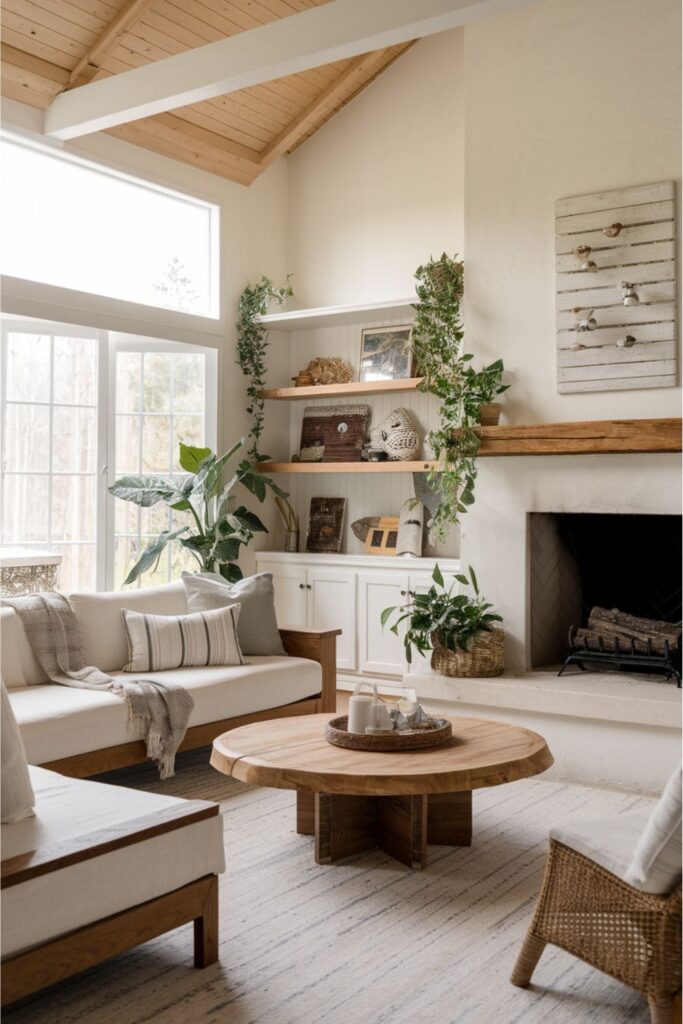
609	841
73	813
60	721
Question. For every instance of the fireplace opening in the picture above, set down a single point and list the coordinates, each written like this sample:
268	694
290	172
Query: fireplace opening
585	561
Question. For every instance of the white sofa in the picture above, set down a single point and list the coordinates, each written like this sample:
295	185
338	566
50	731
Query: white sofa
82	732
100	869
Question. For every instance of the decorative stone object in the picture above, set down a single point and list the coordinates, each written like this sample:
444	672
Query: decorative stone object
616	324
410	528
397	436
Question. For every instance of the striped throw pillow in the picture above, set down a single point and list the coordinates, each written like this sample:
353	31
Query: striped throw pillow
157	642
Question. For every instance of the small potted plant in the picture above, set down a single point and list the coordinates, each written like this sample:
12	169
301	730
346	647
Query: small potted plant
458	629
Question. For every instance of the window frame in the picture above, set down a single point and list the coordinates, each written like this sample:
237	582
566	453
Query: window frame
109	343
23	297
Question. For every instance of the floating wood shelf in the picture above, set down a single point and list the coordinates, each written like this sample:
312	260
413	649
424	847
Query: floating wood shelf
589	437
346	467
353	389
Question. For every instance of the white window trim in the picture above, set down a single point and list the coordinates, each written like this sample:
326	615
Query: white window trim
22	297
105	475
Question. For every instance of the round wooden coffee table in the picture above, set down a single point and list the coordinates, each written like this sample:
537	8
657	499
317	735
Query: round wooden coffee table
351	800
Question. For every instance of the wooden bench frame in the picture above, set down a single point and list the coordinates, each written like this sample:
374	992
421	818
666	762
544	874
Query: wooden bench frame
61	957
299	642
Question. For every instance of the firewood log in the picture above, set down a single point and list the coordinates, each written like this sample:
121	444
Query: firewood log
616	623
595	641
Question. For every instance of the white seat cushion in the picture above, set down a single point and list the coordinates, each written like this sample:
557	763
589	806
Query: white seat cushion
608	841
56	903
20	667
61	721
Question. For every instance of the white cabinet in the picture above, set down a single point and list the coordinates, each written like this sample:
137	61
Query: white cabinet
332	604
380	651
350	592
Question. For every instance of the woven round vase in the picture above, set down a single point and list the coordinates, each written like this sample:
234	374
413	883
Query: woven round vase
484	657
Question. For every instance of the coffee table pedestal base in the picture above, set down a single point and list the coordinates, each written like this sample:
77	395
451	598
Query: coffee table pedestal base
402	826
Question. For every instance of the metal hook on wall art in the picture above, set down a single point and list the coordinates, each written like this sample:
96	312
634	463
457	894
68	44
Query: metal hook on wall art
582	252
629	294
585	321
628	342
612	230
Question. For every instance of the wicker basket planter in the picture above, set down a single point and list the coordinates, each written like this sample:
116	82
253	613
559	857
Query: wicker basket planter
484	657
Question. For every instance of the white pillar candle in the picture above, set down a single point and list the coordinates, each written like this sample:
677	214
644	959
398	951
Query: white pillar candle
361	713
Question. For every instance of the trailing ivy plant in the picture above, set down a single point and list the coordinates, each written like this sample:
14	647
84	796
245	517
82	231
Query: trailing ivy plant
438	336
252	345
218	524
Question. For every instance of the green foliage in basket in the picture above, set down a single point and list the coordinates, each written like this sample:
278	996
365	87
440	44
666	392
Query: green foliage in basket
252	345
438	337
458	618
218	523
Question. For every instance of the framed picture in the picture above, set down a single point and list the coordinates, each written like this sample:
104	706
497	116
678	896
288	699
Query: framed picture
383	538
325	523
386	353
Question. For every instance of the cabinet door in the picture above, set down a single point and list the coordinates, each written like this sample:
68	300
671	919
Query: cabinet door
332	605
289	583
381	651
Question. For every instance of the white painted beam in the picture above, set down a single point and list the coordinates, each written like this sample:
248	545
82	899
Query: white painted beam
335	31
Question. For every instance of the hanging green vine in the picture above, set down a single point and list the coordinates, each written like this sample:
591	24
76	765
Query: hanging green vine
252	345
437	342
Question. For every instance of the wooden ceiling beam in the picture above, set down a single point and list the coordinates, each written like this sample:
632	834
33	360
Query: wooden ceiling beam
91	62
340	30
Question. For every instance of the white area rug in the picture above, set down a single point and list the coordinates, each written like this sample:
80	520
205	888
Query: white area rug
366	941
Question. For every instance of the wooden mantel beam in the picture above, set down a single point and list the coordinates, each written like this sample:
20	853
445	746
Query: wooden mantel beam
91	62
338	30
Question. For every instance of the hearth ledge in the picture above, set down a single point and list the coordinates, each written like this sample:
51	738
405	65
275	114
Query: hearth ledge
593	695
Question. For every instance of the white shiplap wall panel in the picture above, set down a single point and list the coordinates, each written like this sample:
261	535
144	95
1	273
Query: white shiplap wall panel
642	253
365	494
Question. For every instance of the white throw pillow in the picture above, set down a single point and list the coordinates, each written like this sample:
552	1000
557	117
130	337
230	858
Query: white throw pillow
656	863
158	642
16	794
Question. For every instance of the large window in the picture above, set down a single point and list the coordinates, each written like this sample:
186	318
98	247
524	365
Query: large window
49	445
80	408
73	224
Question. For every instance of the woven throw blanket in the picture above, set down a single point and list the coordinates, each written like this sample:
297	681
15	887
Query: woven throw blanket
158	713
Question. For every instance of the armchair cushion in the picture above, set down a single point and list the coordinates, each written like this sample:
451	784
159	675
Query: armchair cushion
656	862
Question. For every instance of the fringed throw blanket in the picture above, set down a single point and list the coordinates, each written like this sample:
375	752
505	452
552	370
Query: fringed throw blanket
158	713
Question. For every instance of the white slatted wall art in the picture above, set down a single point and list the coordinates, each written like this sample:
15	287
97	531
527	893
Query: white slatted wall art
366	494
628	346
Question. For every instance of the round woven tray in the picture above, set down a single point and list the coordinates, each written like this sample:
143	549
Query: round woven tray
336	733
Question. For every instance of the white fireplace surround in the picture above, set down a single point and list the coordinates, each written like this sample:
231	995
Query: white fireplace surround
603	729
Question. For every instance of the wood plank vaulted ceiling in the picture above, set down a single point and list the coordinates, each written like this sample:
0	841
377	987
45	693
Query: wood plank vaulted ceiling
52	45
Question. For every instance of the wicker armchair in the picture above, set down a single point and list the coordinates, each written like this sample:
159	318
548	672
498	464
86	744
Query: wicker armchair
631	935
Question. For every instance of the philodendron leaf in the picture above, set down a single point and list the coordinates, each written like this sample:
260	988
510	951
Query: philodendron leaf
474	580
191	458
231	572
144	490
385	615
152	553
248	521
437	576
227	550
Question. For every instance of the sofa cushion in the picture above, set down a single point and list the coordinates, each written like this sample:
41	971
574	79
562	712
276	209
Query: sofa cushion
60	721
257	626
72	897
16	794
656	862
103	634
175	641
20	667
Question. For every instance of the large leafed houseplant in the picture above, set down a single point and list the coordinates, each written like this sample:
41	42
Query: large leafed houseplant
218	524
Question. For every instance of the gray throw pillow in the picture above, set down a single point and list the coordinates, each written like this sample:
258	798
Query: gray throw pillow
257	629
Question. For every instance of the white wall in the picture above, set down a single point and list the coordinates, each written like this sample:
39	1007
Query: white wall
562	98
380	187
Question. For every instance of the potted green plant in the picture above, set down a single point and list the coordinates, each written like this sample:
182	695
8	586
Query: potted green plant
218	523
457	628
462	391
252	345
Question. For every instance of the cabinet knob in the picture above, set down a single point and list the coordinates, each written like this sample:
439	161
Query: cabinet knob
302	586
309	587
404	593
